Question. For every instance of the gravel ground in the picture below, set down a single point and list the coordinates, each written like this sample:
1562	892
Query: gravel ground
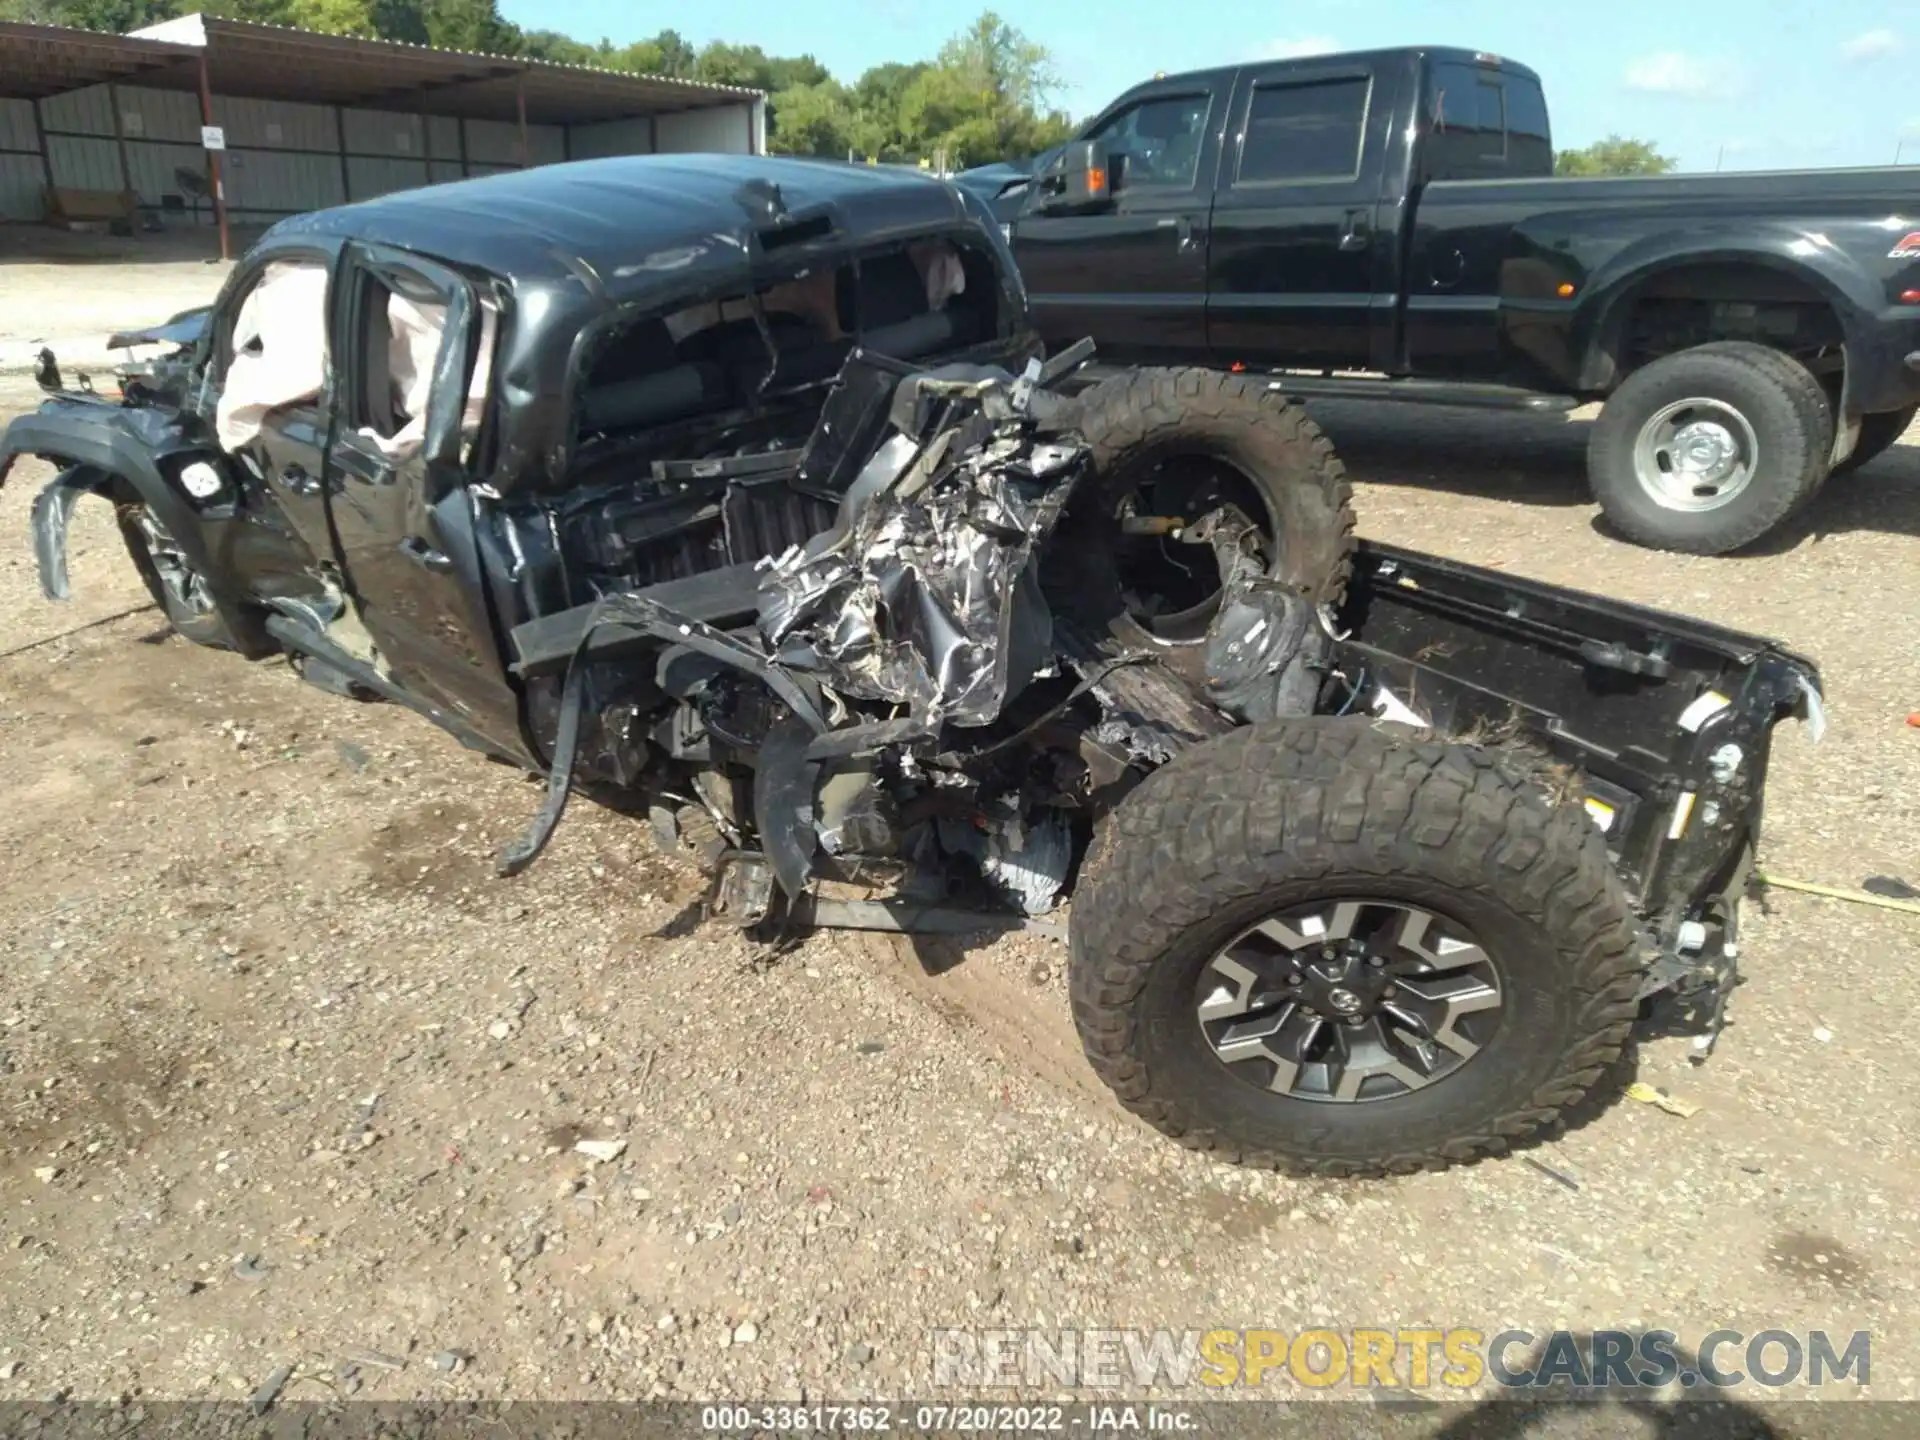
288	1077
72	291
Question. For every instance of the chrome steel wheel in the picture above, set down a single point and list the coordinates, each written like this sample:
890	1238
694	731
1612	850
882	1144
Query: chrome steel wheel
1695	454
1349	1000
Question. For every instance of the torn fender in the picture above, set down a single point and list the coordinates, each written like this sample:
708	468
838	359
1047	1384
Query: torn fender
52	514
128	442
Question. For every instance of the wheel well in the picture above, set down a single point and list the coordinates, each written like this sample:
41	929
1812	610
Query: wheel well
1688	305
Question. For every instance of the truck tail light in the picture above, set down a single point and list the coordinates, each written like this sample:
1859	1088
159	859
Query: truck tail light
1910	297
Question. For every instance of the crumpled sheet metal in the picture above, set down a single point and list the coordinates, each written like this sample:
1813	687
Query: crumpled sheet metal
915	598
52	515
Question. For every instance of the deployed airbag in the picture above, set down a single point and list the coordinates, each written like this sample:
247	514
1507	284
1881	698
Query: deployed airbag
279	350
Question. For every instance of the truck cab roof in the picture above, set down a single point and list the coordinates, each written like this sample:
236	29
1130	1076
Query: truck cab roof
1427	53
629	225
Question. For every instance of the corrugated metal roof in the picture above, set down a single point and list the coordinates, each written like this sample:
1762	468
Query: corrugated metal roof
278	62
41	60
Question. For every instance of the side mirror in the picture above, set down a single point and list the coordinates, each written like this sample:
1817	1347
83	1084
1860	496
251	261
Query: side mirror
1079	182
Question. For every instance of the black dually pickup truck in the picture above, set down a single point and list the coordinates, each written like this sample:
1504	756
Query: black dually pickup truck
1395	213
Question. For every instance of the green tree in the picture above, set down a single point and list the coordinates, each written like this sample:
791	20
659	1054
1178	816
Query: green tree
667	53
725	64
338	17
812	120
877	107
118	16
784	72
468	25
1614	155
984	98
564	49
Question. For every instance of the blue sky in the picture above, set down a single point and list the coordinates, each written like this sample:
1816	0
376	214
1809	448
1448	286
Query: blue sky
1766	86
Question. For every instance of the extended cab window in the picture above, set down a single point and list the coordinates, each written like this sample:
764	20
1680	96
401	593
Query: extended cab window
401	319
1483	124
1529	141
925	298
1156	142
1309	130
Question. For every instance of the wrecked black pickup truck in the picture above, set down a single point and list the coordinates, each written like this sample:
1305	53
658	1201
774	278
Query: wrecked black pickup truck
738	491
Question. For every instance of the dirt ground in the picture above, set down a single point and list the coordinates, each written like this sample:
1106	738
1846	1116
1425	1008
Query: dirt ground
71	291
286	1076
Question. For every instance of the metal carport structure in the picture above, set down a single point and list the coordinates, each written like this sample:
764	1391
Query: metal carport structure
311	120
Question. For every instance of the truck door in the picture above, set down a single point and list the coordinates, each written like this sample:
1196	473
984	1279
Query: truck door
1301	271
1134	276
269	365
408	339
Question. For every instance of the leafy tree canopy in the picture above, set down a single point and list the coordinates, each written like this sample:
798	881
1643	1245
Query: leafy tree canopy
1613	156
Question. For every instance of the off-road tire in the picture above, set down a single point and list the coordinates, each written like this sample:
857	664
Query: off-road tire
1878	434
1780	398
1301	810
1144	417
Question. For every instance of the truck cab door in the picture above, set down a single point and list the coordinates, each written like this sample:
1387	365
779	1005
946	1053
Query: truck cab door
267	400
1477	121
410	337
1304	269
1132	274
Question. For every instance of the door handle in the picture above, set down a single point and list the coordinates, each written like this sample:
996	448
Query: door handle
1186	233
424	555
299	481
1355	235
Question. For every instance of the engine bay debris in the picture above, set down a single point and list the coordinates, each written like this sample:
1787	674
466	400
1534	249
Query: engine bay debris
924	593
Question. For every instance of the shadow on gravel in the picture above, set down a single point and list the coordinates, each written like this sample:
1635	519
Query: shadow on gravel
1016	1007
687	920
1519	1419
1501	455
1580	1403
1541	460
1883	497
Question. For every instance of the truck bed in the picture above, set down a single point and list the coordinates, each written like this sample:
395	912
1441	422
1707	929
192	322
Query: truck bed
1659	723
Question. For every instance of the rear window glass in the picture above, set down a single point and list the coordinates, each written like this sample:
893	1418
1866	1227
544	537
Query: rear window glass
925	299
1529	141
1311	130
1484	124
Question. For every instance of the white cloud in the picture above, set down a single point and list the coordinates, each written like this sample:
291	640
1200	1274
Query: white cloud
1872	45
1298	49
1670	72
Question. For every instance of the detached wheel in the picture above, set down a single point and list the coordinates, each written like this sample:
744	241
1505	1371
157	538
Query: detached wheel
1308	947
1878	434
1190	466
1707	450
177	588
